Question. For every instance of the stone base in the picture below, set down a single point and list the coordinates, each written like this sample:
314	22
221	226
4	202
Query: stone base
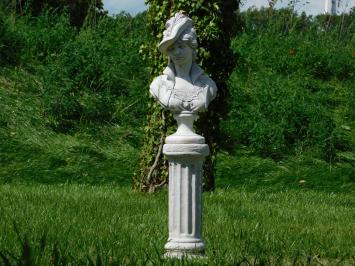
185	249
193	245
178	254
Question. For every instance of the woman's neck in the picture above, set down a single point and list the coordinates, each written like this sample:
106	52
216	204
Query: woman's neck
183	71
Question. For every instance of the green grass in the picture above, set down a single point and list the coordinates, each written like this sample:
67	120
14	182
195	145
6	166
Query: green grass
31	151
245	169
84	223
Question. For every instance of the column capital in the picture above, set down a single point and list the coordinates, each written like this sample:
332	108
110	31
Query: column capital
172	150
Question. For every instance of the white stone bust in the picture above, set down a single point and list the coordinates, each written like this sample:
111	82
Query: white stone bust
183	86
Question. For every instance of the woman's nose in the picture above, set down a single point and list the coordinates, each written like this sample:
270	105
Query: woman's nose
177	51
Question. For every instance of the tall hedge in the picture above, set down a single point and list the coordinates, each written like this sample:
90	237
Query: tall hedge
216	22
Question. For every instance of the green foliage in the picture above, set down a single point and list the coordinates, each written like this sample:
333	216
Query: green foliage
93	75
98	76
215	23
44	37
292	81
78	10
73	102
10	43
86	83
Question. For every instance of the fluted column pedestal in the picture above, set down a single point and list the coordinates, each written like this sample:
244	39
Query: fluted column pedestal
185	199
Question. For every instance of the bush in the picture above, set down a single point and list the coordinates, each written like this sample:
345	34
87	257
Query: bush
99	76
291	79
275	116
91	75
10	43
44	37
78	11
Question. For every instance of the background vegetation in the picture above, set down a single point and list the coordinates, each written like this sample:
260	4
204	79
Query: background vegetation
73	104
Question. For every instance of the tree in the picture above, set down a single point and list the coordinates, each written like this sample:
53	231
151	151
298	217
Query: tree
216	22
78	10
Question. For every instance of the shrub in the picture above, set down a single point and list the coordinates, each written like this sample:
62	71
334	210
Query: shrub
78	11
10	43
275	116
44	37
98	76
291	78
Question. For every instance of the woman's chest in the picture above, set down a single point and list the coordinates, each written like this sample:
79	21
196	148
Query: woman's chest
185	91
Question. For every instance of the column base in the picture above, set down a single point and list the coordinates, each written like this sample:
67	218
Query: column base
178	254
180	249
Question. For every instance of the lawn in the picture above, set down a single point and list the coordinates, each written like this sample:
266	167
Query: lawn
110	224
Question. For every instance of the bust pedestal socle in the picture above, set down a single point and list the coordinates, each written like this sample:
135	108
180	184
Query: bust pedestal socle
185	151
185	90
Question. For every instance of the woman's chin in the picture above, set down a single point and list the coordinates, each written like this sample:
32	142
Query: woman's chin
179	60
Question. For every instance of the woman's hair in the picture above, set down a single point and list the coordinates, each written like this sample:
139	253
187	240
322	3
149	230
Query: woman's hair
189	37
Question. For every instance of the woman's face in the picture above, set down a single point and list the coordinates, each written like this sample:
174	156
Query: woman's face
180	53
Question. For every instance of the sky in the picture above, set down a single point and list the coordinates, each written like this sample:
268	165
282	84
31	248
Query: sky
311	8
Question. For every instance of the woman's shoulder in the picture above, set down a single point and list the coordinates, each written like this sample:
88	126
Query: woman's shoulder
209	88
157	81
160	89
206	80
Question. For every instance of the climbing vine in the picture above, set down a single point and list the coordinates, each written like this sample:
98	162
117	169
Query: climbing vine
216	21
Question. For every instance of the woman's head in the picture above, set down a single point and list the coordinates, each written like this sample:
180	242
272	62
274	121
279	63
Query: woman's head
179	29
183	50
